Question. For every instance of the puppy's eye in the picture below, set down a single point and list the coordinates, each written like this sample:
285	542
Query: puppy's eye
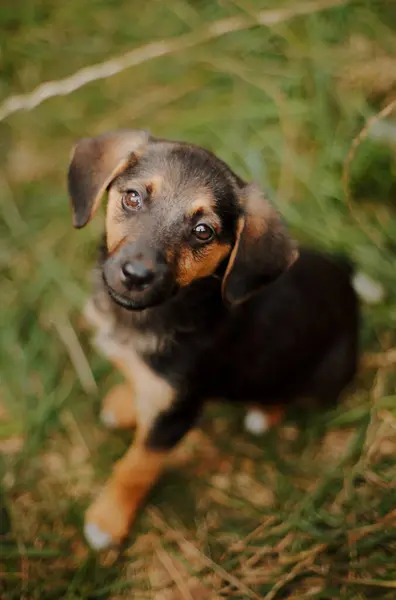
203	232
132	200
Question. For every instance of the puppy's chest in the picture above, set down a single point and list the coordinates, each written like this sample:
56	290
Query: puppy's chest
119	339
170	340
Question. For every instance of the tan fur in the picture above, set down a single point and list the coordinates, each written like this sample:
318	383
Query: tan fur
254	221
295	254
139	401
202	264
258	219
95	318
133	476
258	212
119	404
148	390
240	226
155	186
115	508
205	202
152	394
261	216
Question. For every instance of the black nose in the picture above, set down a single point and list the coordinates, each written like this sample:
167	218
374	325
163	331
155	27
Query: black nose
136	275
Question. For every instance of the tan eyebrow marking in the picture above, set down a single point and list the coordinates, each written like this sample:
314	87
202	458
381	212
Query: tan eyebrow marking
205	203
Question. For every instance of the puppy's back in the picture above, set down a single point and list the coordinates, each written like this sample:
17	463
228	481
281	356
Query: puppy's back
315	297
280	337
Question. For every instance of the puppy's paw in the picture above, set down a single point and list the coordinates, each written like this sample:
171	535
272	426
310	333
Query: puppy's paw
109	419
117	410
256	422
96	538
107	520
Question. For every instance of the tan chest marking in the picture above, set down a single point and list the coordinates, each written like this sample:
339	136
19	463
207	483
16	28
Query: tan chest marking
152	394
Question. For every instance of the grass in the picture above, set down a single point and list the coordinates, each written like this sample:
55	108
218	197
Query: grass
307	511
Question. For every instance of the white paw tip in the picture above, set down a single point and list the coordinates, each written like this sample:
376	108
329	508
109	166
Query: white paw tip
108	419
256	422
370	291
96	538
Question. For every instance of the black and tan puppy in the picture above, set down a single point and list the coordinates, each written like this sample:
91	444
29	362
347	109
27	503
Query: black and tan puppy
183	308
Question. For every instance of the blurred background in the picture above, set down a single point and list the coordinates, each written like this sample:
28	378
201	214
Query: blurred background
279	90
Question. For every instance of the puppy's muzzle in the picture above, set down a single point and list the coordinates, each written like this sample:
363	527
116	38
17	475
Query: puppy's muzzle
137	276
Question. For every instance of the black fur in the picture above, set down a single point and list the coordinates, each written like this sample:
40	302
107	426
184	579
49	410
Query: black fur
296	337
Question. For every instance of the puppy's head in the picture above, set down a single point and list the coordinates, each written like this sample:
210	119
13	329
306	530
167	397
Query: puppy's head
175	214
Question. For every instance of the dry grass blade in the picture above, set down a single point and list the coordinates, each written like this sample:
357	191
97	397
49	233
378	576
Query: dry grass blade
379	360
372	582
241	544
76	354
153	50
259	554
296	570
360	532
184	544
167	563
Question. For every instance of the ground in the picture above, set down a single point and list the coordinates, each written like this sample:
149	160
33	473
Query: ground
306	511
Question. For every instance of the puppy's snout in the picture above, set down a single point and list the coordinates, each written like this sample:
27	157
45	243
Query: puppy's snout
136	275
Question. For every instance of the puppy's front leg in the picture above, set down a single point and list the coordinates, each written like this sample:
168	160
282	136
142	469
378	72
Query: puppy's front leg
119	405
109	518
163	418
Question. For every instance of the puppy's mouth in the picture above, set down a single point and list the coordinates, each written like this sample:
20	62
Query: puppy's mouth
140	299
122	300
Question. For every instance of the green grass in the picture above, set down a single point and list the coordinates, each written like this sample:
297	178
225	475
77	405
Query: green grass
305	512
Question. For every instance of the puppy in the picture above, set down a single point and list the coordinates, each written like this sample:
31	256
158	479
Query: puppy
198	294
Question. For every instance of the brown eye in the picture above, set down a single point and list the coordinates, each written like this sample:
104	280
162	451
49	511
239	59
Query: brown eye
203	232
132	200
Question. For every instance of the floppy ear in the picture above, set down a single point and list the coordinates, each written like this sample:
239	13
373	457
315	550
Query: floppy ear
263	249
95	163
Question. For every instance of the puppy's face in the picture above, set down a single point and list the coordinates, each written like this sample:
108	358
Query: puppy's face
175	214
170	220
